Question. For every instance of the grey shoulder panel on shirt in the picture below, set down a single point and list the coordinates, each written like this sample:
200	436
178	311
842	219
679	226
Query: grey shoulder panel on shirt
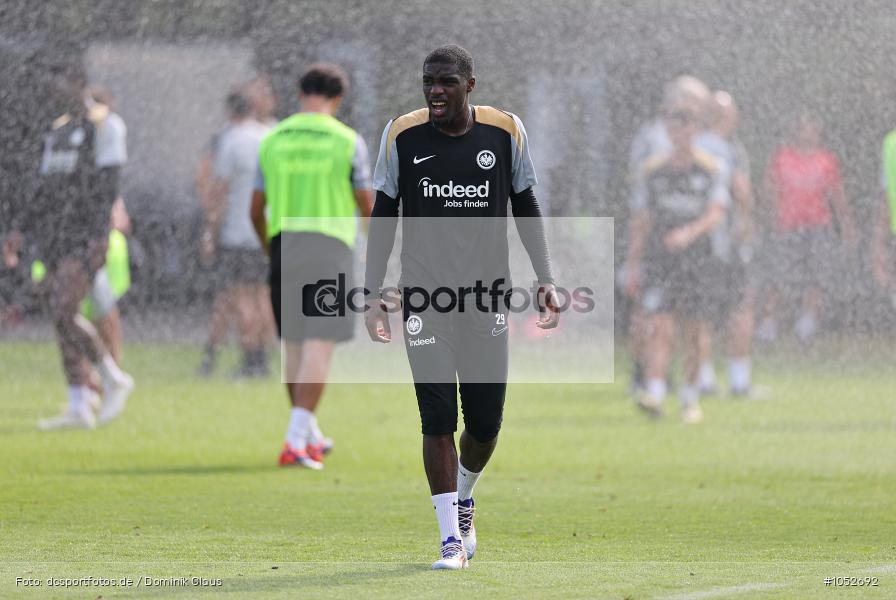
361	165
523	170
385	173
706	161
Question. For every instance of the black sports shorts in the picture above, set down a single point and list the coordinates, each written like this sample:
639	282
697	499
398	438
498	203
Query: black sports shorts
684	285
469	347
241	266
75	217
310	274
802	258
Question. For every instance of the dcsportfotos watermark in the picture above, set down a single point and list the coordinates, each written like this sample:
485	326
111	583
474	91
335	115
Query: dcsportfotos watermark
462	293
332	298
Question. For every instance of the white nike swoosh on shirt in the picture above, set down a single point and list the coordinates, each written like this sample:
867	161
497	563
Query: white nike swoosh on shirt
496	332
417	161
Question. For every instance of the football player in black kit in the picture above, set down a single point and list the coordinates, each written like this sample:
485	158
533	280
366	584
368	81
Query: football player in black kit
67	218
680	197
452	167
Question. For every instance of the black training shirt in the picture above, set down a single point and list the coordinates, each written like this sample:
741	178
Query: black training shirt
465	181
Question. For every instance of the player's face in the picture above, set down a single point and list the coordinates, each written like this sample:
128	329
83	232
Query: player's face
682	123
262	98
446	92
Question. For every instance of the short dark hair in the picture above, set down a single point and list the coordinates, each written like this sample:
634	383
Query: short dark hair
72	70
452	55
237	104
324	79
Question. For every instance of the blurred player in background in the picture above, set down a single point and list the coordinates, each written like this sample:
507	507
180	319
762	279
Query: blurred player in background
113	278
206	193
804	192
229	240
310	165
651	139
680	197
263	102
262	99
69	220
452	141
733	246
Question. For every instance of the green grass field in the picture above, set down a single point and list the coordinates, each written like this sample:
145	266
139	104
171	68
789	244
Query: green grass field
583	499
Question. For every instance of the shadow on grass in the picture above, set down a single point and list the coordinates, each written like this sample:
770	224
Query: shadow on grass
331	578
324	577
18	429
188	470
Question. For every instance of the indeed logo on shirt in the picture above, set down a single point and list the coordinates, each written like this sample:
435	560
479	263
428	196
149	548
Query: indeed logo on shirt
450	190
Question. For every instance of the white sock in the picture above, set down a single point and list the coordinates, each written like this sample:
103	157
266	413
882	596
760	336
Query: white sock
109	370
315	435
446	513
739	373
656	389
78	398
465	482
689	395
707	375
297	434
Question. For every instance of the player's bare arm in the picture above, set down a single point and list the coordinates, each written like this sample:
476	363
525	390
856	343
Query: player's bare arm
364	200
259	221
744	200
638	231
214	215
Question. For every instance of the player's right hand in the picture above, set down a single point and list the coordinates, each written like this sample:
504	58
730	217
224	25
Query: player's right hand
376	319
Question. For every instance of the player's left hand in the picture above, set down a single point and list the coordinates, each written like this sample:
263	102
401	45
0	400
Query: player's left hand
677	239
548	306
376	320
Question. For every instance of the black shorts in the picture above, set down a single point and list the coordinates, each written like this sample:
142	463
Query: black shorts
76	222
742	278
729	285
802	258
309	276
86	245
469	347
241	266
686	285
